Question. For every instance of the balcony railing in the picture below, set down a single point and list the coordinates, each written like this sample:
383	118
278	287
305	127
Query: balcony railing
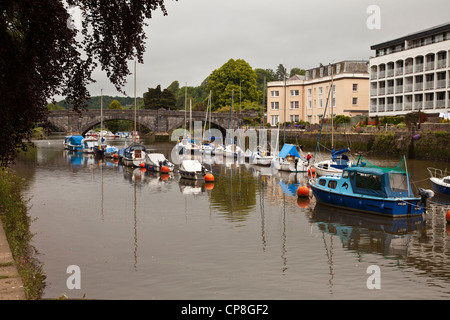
381	91
440	104
381	108
390	90
399	89
418	105
408	69
429	85
418	86
429	104
407	106
419	67
408	87
381	74
441	83
441	63
390	107
390	73
399	71
429	65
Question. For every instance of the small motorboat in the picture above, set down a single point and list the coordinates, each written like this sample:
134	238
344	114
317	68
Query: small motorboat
192	170
440	181
75	143
134	155
290	160
157	162
89	144
371	189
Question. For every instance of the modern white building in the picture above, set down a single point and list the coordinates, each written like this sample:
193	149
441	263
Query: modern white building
411	73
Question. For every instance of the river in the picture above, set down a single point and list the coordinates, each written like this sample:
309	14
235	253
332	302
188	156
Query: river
137	235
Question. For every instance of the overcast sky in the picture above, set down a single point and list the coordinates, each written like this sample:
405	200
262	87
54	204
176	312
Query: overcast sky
199	36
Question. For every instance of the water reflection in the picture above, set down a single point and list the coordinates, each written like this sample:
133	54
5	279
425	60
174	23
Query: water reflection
142	234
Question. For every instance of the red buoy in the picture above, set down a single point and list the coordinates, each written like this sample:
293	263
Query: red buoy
142	165
312	172
209	177
164	169
303	192
447	216
303	203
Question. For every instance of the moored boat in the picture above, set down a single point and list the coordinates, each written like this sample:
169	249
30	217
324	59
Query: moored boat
89	144
134	155
157	162
371	189
192	170
440	180
290	160
75	143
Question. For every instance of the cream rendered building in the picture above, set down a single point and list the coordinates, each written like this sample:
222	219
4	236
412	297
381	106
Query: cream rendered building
304	98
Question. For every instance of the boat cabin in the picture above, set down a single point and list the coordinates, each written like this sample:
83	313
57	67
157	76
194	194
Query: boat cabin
376	182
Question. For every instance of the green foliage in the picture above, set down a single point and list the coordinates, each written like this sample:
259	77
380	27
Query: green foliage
115	105
234	76
156	99
342	119
392	120
16	223
55	106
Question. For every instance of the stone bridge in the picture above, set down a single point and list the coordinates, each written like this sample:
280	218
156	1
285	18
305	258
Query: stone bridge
158	121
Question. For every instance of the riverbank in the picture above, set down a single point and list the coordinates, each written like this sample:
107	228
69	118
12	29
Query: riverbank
21	275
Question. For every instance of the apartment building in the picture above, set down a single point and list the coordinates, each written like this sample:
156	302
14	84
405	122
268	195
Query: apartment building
305	97
411	73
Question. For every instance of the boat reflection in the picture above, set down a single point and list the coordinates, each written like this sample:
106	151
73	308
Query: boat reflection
367	233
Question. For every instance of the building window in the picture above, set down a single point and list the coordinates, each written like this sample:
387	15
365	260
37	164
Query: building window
275	93
309	92
274	120
294	92
320	90
275	105
294	104
320	103
355	87
295	118
355	101
309	104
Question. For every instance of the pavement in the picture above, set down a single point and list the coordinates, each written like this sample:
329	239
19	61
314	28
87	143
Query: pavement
11	285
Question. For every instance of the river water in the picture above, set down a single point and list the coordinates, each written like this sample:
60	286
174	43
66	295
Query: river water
137	235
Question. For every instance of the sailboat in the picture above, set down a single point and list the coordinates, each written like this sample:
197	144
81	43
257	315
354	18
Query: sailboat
339	159
134	154
187	146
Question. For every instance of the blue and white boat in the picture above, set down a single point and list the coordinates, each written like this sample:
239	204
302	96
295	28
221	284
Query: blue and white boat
440	181
89	144
371	189
75	143
334	166
134	155
290	160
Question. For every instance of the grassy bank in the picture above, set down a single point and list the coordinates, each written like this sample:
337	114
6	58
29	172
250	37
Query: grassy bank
16	223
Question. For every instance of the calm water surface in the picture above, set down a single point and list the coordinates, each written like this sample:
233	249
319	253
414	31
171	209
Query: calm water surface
135	235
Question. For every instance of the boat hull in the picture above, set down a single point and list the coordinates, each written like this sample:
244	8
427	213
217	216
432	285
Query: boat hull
395	208
440	187
192	175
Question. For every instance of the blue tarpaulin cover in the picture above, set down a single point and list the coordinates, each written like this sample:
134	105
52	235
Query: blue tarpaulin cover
76	140
288	149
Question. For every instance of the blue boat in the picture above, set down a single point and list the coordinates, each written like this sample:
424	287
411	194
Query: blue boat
371	189
440	181
75	143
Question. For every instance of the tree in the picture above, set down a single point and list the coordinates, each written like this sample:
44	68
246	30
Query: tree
298	71
281	73
235	75
42	56
115	105
156	99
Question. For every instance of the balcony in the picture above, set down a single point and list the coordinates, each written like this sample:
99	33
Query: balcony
390	107
408	87
441	63
407	106
399	71
399	89
381	75
429	85
440	83
390	90
418	105
429	65
419	67
440	104
429	105
418	86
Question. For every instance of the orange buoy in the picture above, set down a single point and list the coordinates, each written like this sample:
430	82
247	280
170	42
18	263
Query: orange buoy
209	186
142	165
209	177
303	192
303	203
164	169
164	177
116	156
447	216
311	172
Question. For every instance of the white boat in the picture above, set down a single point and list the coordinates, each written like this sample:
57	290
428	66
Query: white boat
192	170
88	144
156	161
111	152
134	155
232	150
440	181
290	160
261	157
334	166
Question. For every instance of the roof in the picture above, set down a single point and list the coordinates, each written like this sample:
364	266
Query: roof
416	35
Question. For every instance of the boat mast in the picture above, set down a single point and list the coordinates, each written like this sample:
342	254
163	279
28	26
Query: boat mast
135	135
101	116
332	115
